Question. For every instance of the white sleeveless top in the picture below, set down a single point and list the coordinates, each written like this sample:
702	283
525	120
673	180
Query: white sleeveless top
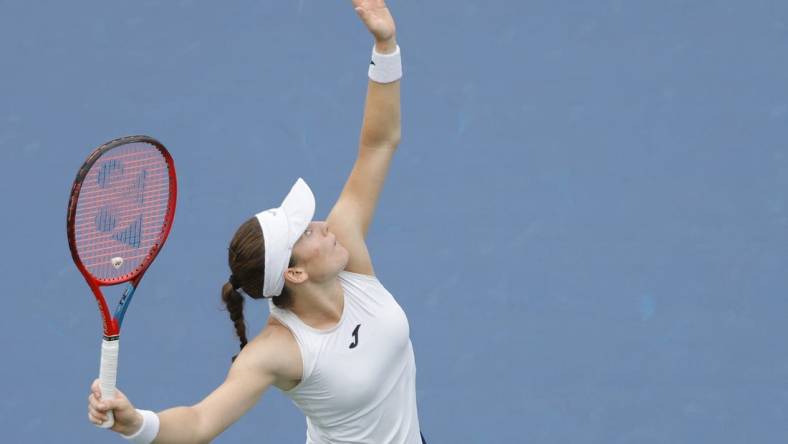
359	378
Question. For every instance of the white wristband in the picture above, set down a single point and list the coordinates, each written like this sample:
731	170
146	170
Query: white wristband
150	428
385	68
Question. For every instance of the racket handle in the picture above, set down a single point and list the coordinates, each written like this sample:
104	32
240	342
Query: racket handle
108	375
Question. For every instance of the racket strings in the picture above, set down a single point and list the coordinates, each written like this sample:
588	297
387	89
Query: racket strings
121	210
103	203
107	223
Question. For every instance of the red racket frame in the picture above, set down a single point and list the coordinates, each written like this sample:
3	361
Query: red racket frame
112	324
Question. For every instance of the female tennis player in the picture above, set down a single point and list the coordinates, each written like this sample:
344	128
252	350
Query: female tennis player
336	343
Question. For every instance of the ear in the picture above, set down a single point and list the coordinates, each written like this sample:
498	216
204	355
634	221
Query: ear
296	275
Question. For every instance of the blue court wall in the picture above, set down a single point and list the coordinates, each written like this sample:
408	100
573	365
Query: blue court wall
585	221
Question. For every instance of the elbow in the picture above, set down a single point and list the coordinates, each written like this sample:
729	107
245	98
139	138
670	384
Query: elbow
393	144
390	139
388	145
203	433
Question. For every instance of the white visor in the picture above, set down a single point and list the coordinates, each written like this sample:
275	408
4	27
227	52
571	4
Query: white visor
282	227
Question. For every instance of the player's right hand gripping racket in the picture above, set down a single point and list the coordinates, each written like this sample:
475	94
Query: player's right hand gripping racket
119	215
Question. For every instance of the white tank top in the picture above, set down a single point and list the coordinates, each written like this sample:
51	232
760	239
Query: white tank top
359	378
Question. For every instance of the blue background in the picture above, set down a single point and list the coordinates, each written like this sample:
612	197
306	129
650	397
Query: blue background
585	222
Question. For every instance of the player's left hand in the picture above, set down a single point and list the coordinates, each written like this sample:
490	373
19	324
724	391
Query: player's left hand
377	18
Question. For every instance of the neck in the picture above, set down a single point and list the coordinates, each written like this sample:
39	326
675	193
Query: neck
319	304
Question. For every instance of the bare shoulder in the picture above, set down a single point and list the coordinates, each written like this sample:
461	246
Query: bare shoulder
276	349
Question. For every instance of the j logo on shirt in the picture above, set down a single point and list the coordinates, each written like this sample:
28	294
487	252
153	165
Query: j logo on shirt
355	337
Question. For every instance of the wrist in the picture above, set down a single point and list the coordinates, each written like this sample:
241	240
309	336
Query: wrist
385	67
146	427
135	426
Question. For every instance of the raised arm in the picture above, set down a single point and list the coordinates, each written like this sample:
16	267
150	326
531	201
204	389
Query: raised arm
351	216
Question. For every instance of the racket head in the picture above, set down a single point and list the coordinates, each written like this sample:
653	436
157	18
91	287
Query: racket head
121	209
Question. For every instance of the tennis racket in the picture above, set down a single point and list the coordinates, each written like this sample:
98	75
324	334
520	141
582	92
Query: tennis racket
119	215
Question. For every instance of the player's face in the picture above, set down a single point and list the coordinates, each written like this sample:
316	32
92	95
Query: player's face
319	252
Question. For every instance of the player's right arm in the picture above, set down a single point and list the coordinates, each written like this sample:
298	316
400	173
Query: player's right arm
257	367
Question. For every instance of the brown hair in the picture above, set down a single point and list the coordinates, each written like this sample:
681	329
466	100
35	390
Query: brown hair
246	257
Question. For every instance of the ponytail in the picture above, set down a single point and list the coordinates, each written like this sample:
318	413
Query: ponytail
235	306
246	258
